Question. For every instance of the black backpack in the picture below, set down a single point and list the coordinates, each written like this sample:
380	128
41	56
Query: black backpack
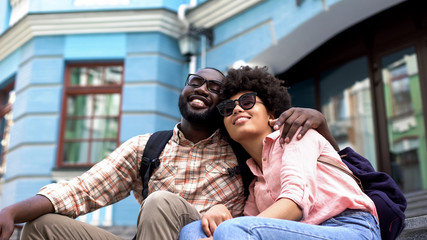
382	189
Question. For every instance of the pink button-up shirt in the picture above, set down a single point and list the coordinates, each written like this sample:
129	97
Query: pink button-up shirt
293	172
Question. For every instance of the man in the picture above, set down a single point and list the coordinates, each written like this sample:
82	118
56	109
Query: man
189	181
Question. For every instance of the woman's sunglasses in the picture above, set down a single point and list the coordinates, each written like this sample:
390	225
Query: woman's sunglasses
246	102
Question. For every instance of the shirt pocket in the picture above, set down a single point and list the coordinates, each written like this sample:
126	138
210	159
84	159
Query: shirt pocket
219	186
163	179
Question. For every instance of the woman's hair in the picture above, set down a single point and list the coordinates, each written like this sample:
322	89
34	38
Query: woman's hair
268	88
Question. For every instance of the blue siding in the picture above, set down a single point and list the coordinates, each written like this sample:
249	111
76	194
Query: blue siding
28	187
43	46
4	15
38	160
9	66
95	47
38	100
34	129
150	98
149	68
137	124
152	42
40	71
243	47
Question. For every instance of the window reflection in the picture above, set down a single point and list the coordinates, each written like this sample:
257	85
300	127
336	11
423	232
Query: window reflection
91	127
346	104
91	118
405	120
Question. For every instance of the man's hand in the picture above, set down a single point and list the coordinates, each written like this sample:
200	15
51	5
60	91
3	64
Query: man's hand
307	118
6	224
21	212
213	217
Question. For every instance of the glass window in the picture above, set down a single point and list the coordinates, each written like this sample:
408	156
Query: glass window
7	97
345	98
405	120
92	113
303	94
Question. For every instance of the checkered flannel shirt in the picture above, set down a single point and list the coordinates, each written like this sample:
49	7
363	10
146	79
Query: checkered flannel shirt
197	172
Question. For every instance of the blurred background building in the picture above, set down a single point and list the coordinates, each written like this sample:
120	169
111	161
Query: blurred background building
79	77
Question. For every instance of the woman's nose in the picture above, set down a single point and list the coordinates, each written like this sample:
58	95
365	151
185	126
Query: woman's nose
237	109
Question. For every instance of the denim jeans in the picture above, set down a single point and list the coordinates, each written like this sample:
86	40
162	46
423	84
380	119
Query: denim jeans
350	224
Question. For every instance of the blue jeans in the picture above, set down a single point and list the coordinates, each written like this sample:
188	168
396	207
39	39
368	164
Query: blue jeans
350	224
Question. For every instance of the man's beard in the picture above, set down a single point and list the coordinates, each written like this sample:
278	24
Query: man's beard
210	117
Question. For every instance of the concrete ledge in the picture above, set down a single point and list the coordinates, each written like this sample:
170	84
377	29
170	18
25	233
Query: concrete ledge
416	228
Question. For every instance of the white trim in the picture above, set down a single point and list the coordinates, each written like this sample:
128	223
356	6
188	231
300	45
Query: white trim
212	13
34	25
19	10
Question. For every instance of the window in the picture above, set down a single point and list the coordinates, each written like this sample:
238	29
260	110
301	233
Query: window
405	118
91	113
7	97
346	103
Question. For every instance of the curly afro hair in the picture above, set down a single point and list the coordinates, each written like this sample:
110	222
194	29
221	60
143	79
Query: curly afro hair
269	88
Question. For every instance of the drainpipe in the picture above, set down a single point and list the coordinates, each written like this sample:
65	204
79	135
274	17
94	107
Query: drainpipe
181	16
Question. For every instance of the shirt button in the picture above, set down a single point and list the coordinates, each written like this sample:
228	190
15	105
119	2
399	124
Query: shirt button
264	159
268	190
223	170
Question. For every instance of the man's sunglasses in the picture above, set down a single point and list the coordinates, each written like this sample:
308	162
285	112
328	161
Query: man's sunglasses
196	81
246	102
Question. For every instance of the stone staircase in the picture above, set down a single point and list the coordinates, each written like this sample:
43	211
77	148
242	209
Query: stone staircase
416	216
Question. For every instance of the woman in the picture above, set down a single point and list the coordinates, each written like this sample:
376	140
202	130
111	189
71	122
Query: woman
293	196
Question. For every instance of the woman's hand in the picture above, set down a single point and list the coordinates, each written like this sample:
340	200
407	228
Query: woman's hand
213	217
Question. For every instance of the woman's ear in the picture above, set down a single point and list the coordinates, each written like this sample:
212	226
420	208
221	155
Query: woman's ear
270	118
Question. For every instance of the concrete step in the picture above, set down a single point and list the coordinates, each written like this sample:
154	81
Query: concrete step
416	216
415	229
417	204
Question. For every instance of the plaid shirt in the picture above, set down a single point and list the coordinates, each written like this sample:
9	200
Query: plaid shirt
197	172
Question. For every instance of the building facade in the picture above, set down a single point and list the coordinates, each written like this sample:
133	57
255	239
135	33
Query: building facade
77	78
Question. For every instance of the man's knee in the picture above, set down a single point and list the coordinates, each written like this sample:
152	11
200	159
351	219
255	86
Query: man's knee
38	226
160	198
159	204
167	207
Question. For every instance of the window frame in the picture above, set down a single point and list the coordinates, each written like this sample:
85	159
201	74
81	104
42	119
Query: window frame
70	90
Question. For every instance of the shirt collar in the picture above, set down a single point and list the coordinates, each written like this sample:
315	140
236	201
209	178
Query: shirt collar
251	162
179	138
274	135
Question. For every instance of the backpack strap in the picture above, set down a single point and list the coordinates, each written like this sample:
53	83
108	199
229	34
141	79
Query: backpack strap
333	163
150	158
